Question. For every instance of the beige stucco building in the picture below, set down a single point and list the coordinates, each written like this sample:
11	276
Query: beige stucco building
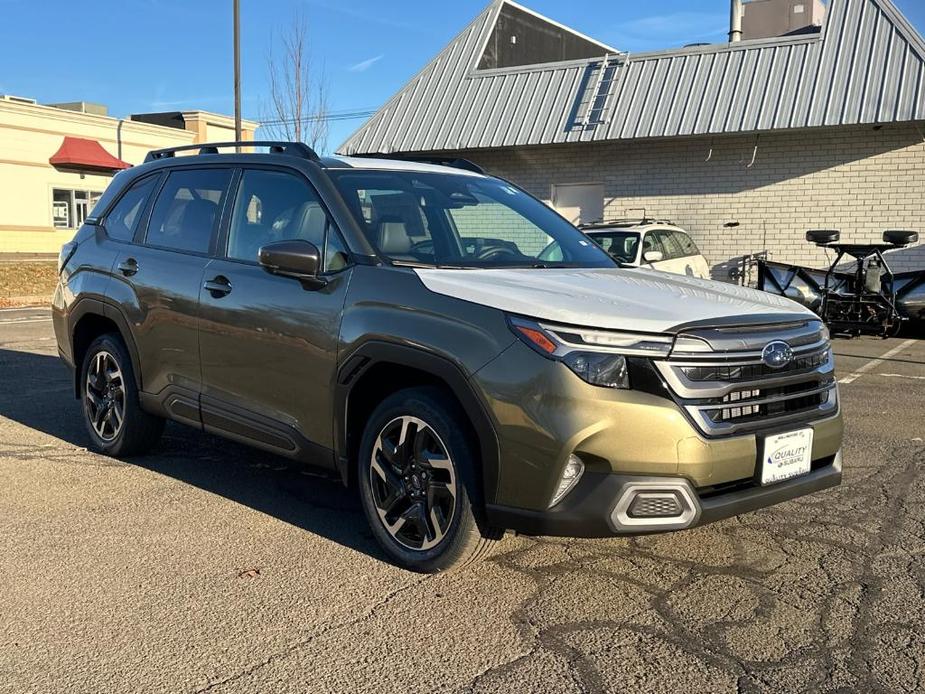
55	162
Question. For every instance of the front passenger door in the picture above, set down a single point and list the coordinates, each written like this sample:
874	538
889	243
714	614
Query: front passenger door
269	343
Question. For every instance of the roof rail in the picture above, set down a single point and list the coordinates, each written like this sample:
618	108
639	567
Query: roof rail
294	149
454	162
628	221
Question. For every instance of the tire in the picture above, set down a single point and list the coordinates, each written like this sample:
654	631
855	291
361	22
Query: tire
419	502
109	400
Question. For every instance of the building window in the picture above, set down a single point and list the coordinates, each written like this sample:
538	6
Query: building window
69	208
582	203
524	38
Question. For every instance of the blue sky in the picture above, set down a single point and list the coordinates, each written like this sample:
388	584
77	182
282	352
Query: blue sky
152	55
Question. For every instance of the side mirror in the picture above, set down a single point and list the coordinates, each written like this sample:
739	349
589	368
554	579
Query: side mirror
822	237
653	256
297	259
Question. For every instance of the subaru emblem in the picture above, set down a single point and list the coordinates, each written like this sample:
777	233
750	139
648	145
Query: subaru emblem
777	355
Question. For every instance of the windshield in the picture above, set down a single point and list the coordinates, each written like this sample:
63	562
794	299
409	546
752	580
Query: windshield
451	220
622	245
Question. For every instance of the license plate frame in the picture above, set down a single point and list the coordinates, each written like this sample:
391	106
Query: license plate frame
786	456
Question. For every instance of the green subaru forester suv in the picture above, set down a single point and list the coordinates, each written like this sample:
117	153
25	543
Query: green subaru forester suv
441	341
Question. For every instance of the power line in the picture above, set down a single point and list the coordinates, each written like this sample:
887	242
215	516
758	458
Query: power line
321	117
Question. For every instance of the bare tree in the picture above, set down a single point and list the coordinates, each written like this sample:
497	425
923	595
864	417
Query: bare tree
298	108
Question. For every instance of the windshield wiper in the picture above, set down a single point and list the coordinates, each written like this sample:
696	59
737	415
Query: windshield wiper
428	266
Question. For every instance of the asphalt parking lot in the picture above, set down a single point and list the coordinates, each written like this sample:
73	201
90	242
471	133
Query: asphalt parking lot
210	567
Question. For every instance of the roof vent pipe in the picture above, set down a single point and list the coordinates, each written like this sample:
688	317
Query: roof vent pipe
735	22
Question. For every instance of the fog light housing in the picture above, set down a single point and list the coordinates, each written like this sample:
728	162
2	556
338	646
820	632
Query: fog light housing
574	469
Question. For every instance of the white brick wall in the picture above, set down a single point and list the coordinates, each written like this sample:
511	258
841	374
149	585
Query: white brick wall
859	180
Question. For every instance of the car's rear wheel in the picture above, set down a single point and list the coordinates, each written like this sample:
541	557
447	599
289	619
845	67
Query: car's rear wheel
416	473
113	417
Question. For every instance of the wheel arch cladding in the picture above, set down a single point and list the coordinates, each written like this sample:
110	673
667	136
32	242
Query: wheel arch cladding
89	320
378	369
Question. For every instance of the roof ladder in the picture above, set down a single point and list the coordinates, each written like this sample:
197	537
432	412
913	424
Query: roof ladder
597	107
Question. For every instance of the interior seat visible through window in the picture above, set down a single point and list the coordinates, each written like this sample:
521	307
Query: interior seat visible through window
187	209
274	206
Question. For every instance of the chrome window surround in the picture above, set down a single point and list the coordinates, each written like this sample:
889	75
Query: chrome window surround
742	346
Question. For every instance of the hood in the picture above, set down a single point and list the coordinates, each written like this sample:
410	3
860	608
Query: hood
610	298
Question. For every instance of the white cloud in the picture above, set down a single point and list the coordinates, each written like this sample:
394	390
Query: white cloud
366	64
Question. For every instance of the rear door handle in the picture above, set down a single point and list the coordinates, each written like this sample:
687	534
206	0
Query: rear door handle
218	287
128	267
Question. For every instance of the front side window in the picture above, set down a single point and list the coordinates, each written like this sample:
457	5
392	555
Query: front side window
188	209
653	242
449	219
622	245
273	206
123	219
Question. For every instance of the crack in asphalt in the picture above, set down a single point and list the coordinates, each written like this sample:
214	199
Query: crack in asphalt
711	643
292	648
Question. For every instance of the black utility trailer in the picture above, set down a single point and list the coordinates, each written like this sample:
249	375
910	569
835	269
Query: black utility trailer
866	300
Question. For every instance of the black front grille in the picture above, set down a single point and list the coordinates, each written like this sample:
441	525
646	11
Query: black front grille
755	413
742	411
752	372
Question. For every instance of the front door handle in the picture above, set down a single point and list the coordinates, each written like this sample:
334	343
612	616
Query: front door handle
218	287
128	267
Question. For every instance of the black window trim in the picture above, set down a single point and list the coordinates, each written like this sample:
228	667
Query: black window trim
141	235
221	242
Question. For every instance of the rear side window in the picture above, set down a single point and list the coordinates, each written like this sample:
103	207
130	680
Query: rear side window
669	244
123	220
188	209
686	243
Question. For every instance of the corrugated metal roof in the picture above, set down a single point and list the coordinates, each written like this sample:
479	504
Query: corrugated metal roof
867	66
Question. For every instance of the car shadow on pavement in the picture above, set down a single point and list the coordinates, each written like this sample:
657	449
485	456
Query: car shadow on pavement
38	392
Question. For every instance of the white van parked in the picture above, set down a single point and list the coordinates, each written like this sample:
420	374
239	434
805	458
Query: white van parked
650	243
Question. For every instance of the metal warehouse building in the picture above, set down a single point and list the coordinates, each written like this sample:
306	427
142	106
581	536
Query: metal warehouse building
747	144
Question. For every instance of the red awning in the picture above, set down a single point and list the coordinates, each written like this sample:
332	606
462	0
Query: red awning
78	153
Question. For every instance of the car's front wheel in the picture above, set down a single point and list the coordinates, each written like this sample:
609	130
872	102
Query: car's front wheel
112	414
416	469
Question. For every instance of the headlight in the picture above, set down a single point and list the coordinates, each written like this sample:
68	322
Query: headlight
597	357
605	370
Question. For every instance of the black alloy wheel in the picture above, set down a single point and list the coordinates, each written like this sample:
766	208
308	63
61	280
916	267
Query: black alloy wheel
414	484
104	392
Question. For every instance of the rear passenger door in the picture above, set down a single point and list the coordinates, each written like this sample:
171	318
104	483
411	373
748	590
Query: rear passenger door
269	343
694	263
157	281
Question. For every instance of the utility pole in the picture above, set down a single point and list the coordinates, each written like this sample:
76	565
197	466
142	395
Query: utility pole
238	135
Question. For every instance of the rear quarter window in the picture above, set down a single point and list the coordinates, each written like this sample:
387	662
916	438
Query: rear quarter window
125	216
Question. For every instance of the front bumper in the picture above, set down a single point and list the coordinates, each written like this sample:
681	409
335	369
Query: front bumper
596	507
